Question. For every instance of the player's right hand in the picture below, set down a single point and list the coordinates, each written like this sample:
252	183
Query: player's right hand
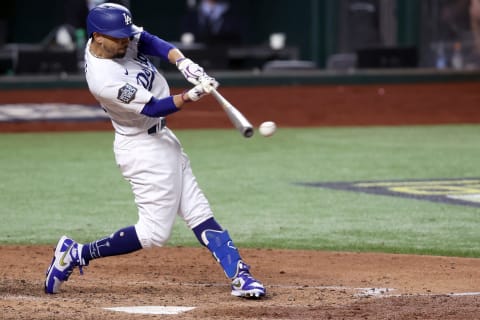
196	93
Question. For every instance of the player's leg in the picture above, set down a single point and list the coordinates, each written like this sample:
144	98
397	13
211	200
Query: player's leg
220	244
152	165
120	242
155	177
70	254
196	211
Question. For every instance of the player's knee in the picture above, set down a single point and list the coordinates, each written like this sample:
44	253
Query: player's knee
150	236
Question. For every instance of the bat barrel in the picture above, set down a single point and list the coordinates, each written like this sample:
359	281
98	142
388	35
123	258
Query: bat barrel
235	116
248	132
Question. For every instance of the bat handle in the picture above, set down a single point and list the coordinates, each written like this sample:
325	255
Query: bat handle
217	95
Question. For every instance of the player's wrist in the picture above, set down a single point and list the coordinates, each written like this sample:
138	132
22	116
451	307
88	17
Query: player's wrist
185	97
179	61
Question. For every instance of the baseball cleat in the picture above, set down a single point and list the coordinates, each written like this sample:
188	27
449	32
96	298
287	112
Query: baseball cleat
65	259
244	285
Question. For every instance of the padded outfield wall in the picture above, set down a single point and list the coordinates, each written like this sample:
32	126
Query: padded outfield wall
290	99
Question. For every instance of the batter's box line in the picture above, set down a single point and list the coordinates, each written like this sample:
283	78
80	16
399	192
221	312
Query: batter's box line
414	295
359	291
378	292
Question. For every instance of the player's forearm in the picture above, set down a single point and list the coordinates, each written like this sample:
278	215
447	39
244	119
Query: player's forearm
174	55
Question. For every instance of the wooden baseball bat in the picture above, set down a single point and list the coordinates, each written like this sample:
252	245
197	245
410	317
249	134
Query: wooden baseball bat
235	116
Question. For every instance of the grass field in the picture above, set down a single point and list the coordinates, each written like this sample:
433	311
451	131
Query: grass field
59	183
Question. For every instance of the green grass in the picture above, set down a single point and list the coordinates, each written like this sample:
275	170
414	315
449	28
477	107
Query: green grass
59	183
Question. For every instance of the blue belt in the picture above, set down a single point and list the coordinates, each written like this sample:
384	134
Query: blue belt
158	127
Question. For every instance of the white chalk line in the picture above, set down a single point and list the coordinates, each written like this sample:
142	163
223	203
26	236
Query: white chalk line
452	294
363	292
22	298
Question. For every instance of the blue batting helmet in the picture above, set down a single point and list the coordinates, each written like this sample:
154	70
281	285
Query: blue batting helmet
112	20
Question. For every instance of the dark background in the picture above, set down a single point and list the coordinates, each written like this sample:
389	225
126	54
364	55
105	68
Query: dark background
311	25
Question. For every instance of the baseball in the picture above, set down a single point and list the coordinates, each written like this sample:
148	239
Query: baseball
267	128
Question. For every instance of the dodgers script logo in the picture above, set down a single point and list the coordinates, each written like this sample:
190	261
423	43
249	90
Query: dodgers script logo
146	77
128	19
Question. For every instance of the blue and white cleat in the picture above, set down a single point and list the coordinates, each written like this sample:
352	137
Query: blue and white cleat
244	285
65	259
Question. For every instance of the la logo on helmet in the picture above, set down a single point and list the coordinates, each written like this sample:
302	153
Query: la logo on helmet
128	19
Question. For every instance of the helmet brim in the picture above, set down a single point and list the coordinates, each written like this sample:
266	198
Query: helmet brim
126	32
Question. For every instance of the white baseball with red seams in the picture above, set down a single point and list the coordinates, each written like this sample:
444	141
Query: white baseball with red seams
267	128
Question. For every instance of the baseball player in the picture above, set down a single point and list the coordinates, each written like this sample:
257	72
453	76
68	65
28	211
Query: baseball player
137	98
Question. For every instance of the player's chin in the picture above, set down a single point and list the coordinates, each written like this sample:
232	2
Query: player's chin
121	53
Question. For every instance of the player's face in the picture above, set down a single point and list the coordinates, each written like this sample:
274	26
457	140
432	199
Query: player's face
114	47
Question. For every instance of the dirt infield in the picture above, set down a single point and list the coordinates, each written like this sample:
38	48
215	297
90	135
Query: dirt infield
300	284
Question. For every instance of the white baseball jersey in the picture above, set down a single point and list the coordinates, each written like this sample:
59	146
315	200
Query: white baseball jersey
123	87
154	164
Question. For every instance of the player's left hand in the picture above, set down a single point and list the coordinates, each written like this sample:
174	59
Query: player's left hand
190	70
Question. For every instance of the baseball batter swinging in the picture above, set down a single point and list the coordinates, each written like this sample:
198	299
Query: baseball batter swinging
137	98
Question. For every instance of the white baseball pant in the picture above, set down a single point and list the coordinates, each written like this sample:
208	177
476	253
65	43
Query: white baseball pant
163	183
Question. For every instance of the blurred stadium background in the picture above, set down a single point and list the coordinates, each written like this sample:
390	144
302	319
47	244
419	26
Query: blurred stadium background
324	34
325	42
